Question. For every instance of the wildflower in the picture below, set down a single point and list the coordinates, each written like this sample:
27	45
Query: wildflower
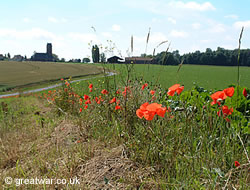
90	87
67	83
153	98
104	91
175	88
80	110
118	102
245	92
229	91
118	91
88	101
127	89
220	95
113	100
226	111
152	92
148	111
236	163
61	79
117	107
85	107
144	86
86	97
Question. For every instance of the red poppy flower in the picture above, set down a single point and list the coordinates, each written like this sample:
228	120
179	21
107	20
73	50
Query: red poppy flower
85	107
118	91
80	110
88	101
148	111
226	111
144	86
91	86
175	88
236	163
152	92
90	90
229	91
104	91
220	95
86	97
67	83
113	100
117	107
244	92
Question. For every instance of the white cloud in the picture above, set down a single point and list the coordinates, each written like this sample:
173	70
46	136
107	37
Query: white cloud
26	20
116	27
57	20
196	26
173	21
207	6
53	19
83	37
217	28
178	34
232	16
157	37
34	33
107	34
240	24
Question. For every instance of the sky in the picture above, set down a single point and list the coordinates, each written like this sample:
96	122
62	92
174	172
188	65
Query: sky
73	26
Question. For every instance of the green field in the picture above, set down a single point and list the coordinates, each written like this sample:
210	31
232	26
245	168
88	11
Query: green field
209	77
15	74
23	74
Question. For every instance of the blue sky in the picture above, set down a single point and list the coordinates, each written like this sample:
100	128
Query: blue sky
27	25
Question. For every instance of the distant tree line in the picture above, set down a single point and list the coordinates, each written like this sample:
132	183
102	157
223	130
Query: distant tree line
220	57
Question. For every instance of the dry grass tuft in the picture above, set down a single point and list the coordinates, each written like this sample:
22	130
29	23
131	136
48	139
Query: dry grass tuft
111	169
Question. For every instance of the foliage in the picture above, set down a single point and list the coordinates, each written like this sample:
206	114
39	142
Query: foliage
103	58
86	60
95	54
184	135
220	57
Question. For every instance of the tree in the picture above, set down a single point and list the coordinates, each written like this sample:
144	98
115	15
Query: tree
8	56
85	60
95	54
103	58
55	57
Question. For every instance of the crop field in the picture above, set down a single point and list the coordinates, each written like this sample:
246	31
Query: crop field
14	74
209	77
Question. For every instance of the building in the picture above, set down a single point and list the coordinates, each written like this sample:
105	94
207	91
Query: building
115	59
139	60
17	58
48	56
